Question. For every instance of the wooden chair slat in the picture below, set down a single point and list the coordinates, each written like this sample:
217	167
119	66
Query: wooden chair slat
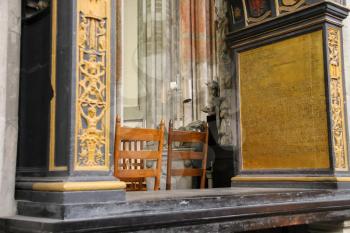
186	172
152	155
134	134
133	179
132	173
187	155
188	136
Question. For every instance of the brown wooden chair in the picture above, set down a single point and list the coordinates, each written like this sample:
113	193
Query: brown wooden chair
130	155
178	154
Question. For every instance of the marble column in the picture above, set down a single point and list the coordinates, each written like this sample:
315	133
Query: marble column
155	59
186	56
75	172
204	54
196	56
223	63
10	30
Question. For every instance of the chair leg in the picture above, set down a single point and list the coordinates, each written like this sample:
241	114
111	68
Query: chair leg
202	186
156	183
168	176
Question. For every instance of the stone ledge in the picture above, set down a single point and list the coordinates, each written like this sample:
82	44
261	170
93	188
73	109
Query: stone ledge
227	210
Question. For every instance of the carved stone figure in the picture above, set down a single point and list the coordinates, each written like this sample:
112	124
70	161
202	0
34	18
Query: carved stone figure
83	31
37	4
102	35
34	7
214	98
92	137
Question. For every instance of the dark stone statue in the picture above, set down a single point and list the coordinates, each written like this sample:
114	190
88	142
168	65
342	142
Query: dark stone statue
34	7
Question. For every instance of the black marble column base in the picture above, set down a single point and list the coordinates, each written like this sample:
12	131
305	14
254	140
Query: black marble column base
68	205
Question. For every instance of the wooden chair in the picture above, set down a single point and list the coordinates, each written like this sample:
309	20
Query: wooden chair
130	156
178	154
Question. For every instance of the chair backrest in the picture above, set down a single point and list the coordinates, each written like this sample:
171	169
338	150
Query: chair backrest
178	154
131	152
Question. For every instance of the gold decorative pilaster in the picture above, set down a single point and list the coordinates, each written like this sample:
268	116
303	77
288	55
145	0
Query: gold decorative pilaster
93	85
52	164
337	99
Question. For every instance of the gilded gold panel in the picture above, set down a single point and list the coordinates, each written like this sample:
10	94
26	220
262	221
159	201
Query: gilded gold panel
283	113
92	133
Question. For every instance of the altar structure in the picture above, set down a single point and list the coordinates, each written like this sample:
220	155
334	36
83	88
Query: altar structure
271	77
290	84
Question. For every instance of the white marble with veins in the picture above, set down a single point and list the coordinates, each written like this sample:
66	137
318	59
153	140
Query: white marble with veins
10	29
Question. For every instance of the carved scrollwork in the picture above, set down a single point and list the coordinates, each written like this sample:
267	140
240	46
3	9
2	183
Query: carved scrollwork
93	85
337	101
290	5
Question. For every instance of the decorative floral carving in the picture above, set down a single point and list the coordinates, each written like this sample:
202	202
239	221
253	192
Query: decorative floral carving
337	102
93	86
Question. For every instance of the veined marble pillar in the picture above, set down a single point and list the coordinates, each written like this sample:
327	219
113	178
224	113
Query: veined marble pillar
186	57
223	63
10	33
155	68
204	53
196	56
76	170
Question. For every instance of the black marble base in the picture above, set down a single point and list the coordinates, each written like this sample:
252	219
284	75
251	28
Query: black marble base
68	205
214	210
71	197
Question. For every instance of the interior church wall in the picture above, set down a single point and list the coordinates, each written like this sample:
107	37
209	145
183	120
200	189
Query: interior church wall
147	66
173	60
10	30
196	57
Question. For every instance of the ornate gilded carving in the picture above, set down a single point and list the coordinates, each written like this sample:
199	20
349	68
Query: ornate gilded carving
290	5
93	104
337	99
